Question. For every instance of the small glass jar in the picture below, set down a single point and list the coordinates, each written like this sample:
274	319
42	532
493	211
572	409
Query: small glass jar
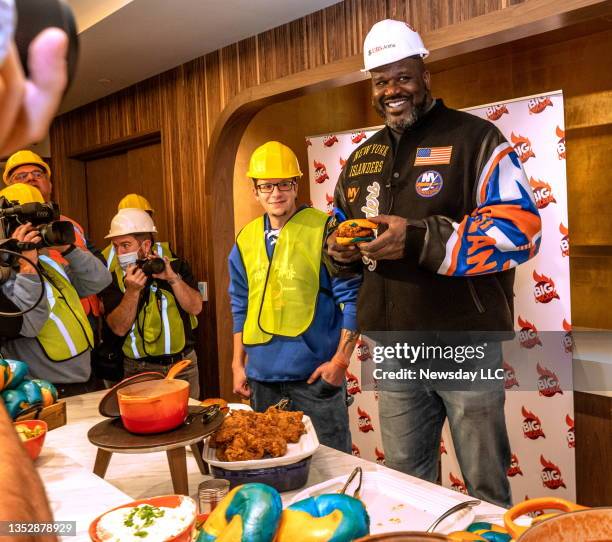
211	493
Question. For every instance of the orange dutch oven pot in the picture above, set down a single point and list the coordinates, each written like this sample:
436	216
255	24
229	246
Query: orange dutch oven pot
155	406
577	524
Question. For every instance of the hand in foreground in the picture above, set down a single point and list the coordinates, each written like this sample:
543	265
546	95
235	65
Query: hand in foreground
241	385
342	253
389	245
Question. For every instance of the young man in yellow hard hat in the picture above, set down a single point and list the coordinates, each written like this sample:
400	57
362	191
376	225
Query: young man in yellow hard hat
27	167
154	311
296	325
135	201
61	350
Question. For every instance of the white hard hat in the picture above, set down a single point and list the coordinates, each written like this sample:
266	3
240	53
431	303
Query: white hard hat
389	41
130	221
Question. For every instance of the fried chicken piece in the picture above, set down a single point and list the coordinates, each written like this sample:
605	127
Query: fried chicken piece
244	447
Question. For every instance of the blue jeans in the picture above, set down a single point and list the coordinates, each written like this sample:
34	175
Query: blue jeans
411	425
323	403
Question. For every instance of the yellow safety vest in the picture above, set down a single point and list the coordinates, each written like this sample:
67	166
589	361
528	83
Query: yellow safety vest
282	292
67	333
110	255
158	329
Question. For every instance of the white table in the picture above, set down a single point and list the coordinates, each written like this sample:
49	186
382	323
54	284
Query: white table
67	460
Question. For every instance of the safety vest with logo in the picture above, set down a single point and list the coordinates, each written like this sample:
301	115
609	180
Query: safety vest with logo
91	303
110	255
158	329
282	292
67	333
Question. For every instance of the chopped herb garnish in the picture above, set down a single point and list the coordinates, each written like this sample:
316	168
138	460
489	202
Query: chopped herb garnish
141	534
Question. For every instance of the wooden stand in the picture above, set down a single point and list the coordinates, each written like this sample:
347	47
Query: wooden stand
111	437
54	415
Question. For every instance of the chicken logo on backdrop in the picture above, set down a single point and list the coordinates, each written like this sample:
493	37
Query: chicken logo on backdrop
330	204
380	456
320	172
364	421
355	450
528	335
510	379
443	447
522	147
457	484
568	339
535	513
544	289
537	105
514	468
565	246
342	163
357	137
363	351
551	474
308	142
571	434
548	382
329	140
352	384
532	426
542	192
561	143
496	111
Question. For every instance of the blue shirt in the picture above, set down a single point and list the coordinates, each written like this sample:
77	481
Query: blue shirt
295	358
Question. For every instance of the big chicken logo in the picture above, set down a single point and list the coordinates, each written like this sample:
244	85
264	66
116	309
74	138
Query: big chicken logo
357	137
551	474
363	351
443	447
561	143
514	469
457	483
510	379
342	163
329	140
542	192
522	147
380	456
544	290
565	246
532	426
571	434
537	105
320	172
528	335
568	339
535	513
364	421
355	450
496	111
548	383
308	142
352	384
330	204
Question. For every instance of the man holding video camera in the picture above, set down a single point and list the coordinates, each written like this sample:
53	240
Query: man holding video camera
60	351
152	302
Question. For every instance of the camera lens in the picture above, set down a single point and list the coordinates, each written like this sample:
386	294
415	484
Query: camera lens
57	233
153	266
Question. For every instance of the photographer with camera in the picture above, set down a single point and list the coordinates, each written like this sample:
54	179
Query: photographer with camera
60	351
152	302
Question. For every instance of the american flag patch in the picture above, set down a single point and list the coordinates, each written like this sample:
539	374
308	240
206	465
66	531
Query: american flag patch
428	156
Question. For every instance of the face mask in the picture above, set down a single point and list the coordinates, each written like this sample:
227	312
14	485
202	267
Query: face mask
127	259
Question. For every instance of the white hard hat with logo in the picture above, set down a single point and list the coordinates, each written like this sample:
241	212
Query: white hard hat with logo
389	41
130	221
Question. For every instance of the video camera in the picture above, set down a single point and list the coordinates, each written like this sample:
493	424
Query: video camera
43	216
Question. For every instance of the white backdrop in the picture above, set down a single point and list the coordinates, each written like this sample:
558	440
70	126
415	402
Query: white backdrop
540	423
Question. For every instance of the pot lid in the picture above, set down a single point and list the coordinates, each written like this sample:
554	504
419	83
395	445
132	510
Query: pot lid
109	404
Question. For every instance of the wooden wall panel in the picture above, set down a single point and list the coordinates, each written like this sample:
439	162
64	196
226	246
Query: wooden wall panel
184	104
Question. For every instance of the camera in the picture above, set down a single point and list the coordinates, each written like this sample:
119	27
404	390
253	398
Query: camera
151	266
43	216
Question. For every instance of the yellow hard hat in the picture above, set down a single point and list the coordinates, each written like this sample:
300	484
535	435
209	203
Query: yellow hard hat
273	160
134	201
23	193
23	158
130	221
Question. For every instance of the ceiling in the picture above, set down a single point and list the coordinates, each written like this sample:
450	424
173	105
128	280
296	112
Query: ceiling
126	41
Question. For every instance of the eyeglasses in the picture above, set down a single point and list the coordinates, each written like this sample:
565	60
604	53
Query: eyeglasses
283	186
37	174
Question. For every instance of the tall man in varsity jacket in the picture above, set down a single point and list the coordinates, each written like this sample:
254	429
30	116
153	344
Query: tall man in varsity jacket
294	326
456	215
